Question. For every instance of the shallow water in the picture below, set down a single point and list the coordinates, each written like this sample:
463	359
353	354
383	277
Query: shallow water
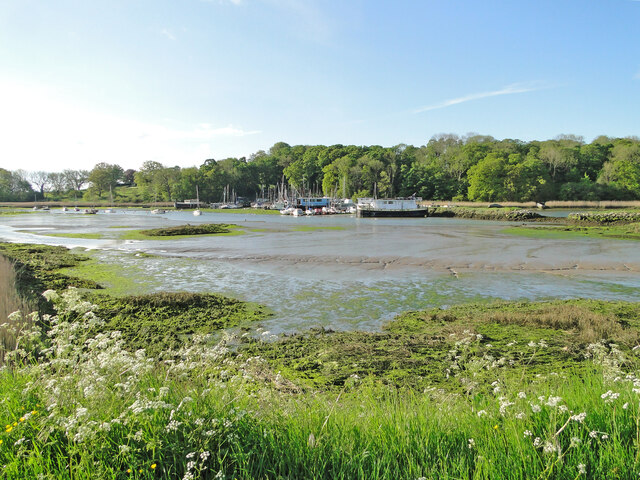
342	272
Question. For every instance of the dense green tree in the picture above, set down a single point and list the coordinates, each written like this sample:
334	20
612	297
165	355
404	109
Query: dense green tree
104	176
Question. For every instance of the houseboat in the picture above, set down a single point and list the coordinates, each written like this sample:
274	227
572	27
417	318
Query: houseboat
390	207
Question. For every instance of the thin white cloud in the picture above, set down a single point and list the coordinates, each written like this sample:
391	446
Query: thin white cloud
508	90
637	75
168	33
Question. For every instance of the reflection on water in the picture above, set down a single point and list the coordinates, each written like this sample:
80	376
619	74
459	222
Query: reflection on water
342	272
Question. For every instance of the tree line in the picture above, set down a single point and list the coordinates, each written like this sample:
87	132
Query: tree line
448	167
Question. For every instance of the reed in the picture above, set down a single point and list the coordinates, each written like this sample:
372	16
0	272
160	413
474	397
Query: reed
10	302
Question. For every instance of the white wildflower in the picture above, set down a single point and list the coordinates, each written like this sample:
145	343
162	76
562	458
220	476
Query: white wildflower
609	396
582	469
579	417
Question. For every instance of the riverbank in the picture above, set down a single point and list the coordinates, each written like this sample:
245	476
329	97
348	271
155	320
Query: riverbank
538	389
530	395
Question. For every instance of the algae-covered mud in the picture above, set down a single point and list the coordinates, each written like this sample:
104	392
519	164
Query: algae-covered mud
156	322
460	349
341	272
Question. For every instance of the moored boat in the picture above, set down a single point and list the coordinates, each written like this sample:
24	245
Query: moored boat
390	207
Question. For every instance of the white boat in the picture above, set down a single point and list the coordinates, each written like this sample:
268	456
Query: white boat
158	211
297	212
390	207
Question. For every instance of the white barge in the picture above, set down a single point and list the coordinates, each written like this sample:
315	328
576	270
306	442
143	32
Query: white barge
390	207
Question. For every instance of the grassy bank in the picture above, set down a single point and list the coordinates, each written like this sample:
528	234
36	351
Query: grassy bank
208	411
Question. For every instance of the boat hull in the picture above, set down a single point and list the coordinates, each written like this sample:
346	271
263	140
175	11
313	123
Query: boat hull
366	213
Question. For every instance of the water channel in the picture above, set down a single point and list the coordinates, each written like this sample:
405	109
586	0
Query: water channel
342	272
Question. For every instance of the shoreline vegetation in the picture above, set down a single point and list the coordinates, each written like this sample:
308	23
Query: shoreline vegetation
151	387
476	168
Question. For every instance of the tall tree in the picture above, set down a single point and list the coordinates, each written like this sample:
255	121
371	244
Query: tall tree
104	176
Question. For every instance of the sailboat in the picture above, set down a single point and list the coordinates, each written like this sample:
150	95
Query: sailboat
111	209
157	211
197	211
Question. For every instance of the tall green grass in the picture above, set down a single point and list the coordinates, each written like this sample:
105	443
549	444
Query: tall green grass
77	404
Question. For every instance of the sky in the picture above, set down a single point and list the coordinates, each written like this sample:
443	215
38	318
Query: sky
182	81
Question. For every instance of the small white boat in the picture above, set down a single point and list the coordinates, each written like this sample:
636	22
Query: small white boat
197	212
297	212
64	209
158	211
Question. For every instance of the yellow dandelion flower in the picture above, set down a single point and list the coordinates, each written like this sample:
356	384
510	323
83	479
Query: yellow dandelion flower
15	424
495	427
140	471
153	466
9	428
21	408
0	441
33	412
22	419
129	470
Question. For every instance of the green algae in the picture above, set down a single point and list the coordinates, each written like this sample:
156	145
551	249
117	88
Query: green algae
421	349
183	231
156	322
95	236
163	321
623	232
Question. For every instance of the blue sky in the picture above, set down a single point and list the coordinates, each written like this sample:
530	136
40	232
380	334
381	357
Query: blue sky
180	81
